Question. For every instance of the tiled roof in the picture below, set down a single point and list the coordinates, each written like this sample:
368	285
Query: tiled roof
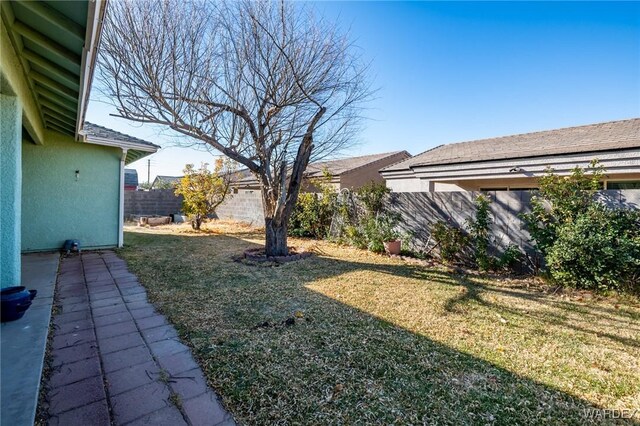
607	136
338	167
94	130
335	167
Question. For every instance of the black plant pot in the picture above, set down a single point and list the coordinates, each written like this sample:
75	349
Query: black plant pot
15	302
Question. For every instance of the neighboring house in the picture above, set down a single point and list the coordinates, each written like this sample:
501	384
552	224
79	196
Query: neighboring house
352	172
130	179
61	178
516	162
165	182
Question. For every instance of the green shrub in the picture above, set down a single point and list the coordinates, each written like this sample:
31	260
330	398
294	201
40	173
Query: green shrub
585	244
561	199
373	197
509	258
204	190
378	230
314	212
482	241
598	250
450	240
480	232
354	236
371	223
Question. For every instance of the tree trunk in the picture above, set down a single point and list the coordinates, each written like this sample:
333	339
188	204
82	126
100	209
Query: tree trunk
196	222
276	236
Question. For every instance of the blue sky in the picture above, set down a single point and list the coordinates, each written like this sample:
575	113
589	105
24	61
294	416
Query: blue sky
455	71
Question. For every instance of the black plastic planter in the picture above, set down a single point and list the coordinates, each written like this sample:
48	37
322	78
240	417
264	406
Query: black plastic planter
15	302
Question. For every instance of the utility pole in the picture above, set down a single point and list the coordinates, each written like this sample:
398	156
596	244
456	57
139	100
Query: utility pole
149	171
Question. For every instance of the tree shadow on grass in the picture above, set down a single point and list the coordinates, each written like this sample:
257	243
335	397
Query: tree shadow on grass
475	289
336	363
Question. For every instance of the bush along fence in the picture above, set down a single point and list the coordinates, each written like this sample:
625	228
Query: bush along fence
582	236
447	223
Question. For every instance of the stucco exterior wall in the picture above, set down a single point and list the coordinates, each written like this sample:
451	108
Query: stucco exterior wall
445	187
411	184
370	173
10	189
56	206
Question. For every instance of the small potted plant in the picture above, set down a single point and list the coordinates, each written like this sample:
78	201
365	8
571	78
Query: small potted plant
392	246
390	237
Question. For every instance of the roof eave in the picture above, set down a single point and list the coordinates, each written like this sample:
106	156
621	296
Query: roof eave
150	148
521	158
89	56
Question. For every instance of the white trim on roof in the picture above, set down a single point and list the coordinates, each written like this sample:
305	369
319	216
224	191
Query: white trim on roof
121	144
615	162
89	55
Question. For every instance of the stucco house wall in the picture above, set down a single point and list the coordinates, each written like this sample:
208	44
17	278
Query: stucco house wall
56	206
361	176
10	189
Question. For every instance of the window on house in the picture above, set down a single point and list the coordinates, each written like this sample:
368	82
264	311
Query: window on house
623	184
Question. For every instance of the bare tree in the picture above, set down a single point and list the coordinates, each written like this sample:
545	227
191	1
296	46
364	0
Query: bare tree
270	85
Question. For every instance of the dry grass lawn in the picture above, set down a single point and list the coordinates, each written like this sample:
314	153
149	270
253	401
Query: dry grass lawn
378	341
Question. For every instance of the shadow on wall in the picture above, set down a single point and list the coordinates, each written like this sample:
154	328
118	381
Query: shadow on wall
419	210
391	371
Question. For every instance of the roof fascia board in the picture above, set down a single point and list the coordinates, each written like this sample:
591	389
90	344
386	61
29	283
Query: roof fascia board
618	162
558	159
89	55
121	144
396	174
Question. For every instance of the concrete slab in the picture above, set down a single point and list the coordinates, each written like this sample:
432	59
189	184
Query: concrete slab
24	342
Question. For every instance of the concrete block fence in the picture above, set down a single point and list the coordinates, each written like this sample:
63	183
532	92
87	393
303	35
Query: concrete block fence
419	210
243	207
160	202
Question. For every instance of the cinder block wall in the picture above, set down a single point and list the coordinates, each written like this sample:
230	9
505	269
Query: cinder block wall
161	202
419	210
243	207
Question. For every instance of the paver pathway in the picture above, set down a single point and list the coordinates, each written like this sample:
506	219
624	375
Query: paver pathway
115	359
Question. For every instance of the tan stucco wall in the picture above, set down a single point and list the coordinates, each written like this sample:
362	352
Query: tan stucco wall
412	184
369	173
478	184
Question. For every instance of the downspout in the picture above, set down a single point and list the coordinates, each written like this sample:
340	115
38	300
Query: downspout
121	200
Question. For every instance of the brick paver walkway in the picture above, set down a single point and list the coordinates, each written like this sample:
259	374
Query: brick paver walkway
115	359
